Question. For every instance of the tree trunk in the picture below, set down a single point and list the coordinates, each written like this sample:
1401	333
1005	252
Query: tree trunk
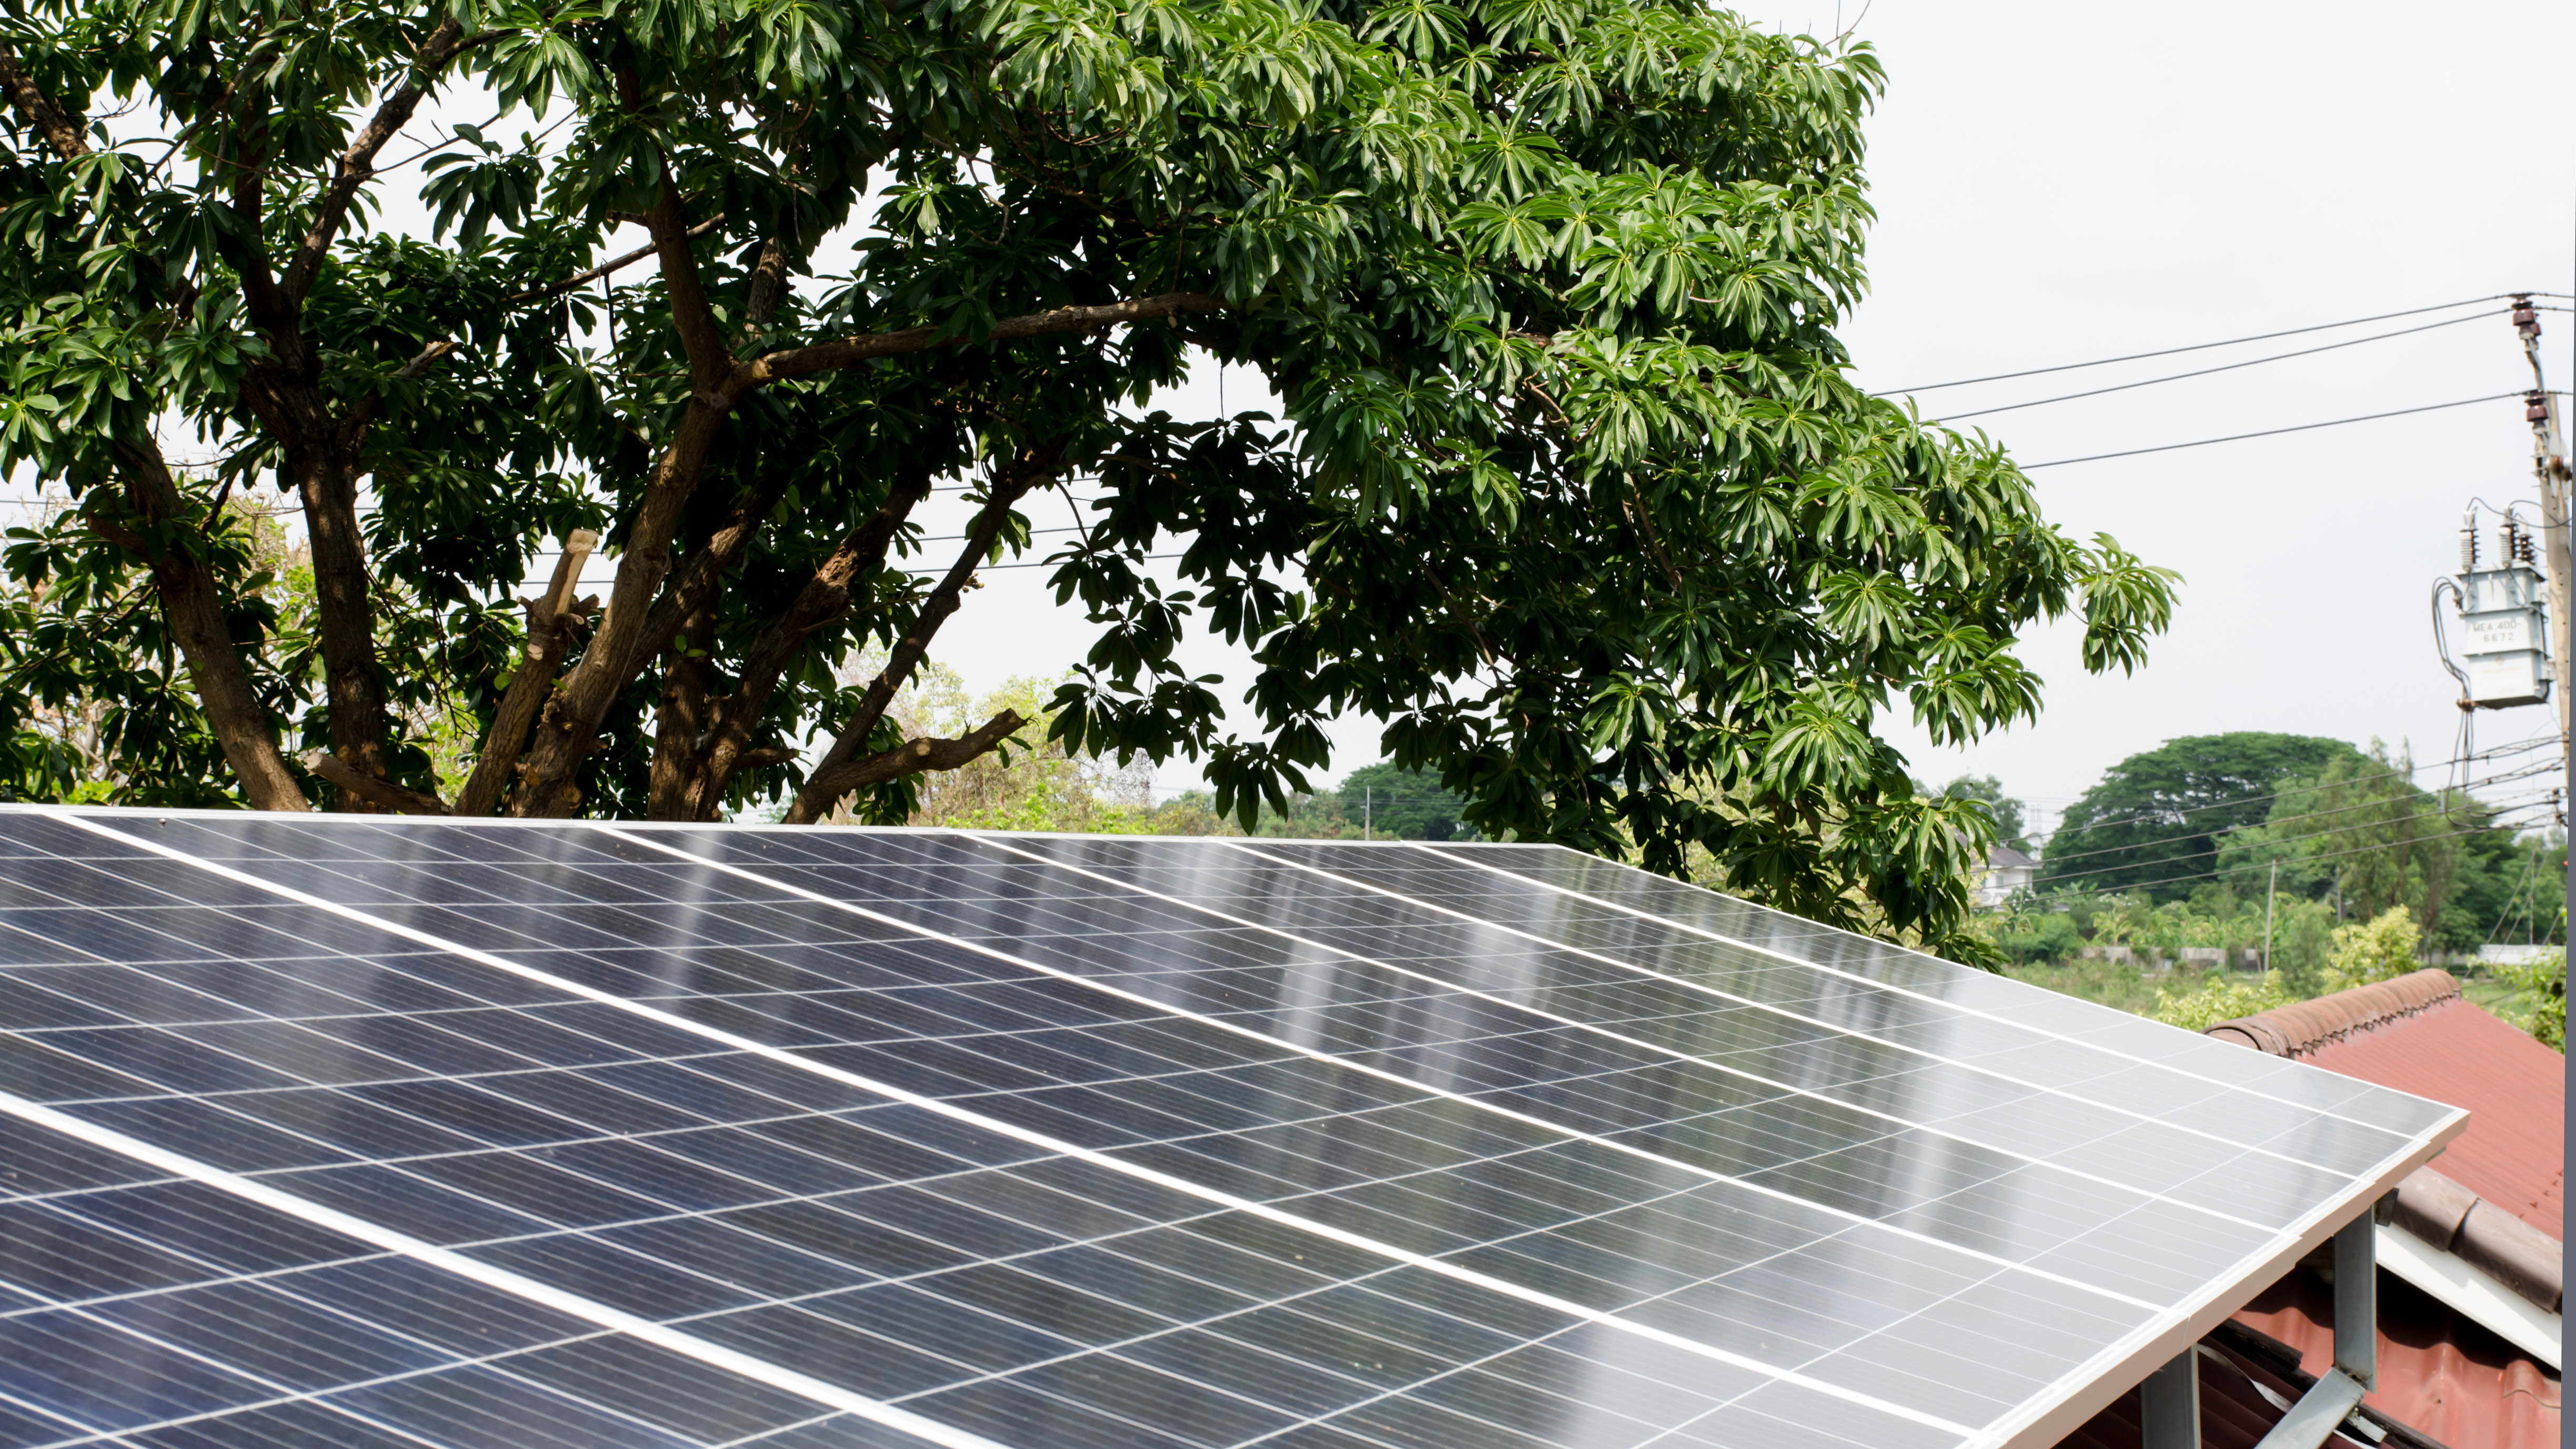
345	612
679	759
194	612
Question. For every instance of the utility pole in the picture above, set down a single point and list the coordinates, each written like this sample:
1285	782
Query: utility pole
1368	812
2269	886
2549	466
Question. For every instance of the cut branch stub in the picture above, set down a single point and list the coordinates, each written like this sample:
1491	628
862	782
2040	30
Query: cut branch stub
384	794
912	757
552	617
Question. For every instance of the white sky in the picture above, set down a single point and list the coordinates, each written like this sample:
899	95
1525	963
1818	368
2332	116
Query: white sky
2063	182
2059	182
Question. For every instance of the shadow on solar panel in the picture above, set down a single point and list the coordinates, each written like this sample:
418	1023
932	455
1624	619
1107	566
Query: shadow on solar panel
337	1131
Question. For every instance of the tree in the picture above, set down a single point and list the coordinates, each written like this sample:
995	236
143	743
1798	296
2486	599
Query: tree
2004	809
1398	804
2363	831
2154	820
1571	490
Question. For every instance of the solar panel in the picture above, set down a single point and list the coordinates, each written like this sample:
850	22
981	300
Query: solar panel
537	1134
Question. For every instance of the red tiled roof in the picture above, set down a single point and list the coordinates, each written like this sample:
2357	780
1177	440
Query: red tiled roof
2514	1153
2418	1034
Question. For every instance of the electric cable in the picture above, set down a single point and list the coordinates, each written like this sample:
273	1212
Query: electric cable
2507	777
2206	371
2528	800
2276	432
2511	747
2331	855
2205	346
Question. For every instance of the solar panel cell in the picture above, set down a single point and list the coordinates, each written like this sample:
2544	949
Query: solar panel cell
1178	1144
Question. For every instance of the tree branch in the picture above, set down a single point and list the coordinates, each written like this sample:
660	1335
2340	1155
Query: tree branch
382	793
566	729
357	162
710	359
824	598
551	619
768	284
850	351
583	279
190	605
58	128
911	757
818	798
1636	510
194	612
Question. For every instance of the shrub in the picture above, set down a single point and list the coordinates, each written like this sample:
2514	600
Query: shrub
2220	999
2543	1000
2381	950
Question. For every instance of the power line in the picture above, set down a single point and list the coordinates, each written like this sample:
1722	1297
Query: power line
2223	367
2331	855
2524	773
2533	800
2272	432
2492	752
2205	346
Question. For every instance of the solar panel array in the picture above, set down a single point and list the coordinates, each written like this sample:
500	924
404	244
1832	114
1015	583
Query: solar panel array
356	1131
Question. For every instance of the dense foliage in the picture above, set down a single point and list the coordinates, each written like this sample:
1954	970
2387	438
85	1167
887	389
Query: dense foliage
1571	490
2154	821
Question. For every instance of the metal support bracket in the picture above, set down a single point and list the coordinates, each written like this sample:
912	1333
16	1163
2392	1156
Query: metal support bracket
2313	1419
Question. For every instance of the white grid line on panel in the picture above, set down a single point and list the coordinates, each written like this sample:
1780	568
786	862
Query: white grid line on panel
499	1279
1528	1119
603	1227
477	1078
934	1105
1721	994
1466	854
1644	1044
2002	1430
1967	1187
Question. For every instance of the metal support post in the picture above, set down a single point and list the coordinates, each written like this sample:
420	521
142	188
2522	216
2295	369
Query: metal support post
2169	1404
2356	1299
2332	1398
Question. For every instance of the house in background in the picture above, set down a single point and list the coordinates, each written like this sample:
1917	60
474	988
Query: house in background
2007	871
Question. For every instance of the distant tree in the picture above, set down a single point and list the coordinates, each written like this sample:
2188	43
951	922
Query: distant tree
2154	821
2007	811
2362	831
1399	804
2540	1007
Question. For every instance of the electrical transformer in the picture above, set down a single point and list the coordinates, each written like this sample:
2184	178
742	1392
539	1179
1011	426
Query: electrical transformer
2505	653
